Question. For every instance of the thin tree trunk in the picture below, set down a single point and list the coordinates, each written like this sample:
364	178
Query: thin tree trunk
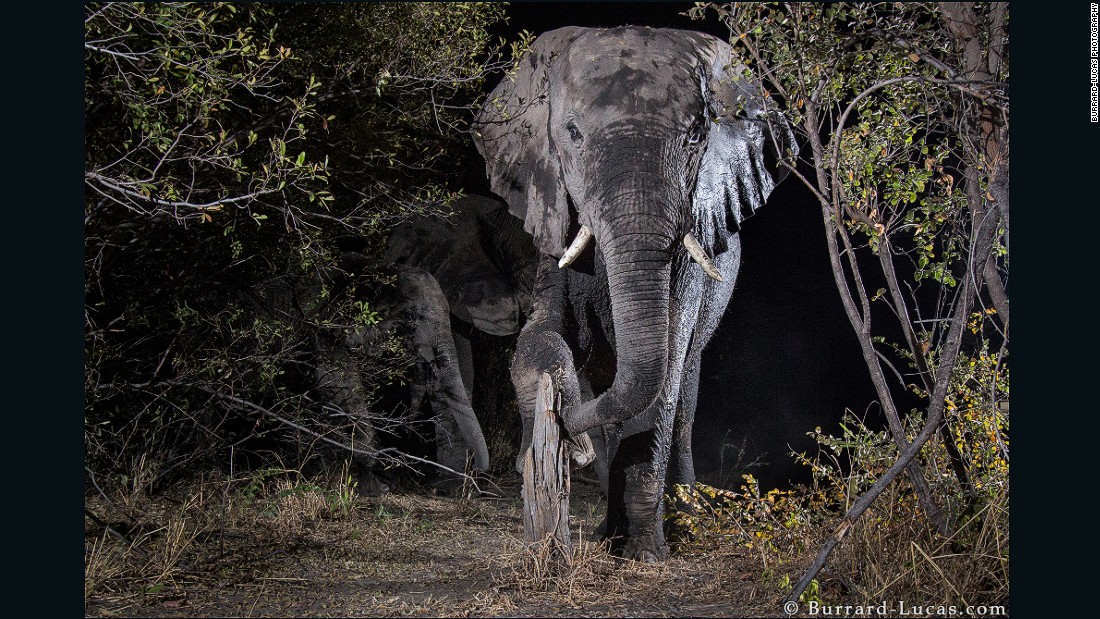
901	308
861	323
546	481
997	292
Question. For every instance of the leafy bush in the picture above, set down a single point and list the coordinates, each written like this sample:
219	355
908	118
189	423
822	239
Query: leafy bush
905	110
236	155
892	552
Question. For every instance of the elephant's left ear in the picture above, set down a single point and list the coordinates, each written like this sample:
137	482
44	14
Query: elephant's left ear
747	145
512	132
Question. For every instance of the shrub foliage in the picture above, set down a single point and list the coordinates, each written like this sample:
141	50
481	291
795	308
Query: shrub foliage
234	153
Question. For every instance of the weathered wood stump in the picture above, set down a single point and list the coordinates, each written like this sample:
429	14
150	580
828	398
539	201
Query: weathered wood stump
546	480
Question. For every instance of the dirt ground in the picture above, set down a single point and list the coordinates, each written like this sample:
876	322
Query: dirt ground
421	555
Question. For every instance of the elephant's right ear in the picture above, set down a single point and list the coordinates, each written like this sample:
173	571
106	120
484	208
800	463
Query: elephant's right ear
511	132
748	145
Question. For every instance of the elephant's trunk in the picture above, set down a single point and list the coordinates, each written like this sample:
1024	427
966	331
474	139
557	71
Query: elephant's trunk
465	420
638	271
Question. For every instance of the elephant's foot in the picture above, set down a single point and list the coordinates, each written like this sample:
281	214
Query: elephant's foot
645	549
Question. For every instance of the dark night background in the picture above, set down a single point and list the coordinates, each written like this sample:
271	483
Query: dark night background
784	359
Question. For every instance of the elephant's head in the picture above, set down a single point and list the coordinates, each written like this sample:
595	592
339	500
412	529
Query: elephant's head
649	141
481	258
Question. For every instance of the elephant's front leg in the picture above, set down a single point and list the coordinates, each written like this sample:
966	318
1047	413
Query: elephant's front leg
636	483
682	463
639	463
539	351
458	431
660	437
542	348
717	295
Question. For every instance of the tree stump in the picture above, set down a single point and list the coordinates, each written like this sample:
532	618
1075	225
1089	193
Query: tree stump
546	480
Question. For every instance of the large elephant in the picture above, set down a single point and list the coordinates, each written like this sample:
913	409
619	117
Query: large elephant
656	145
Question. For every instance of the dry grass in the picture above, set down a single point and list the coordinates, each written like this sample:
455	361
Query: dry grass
891	553
141	544
596	583
104	562
895	555
275	543
537	568
147	559
295	506
283	551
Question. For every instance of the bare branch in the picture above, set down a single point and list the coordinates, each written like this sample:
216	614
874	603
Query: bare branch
114	185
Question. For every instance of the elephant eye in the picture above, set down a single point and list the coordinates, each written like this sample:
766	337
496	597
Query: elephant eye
574	132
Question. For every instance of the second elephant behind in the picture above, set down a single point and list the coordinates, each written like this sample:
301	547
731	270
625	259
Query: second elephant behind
484	262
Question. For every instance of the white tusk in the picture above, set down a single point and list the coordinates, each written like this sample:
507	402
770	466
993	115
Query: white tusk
584	235
700	256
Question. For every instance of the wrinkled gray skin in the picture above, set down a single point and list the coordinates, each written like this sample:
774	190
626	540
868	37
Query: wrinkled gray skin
458	433
482	258
418	311
642	135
